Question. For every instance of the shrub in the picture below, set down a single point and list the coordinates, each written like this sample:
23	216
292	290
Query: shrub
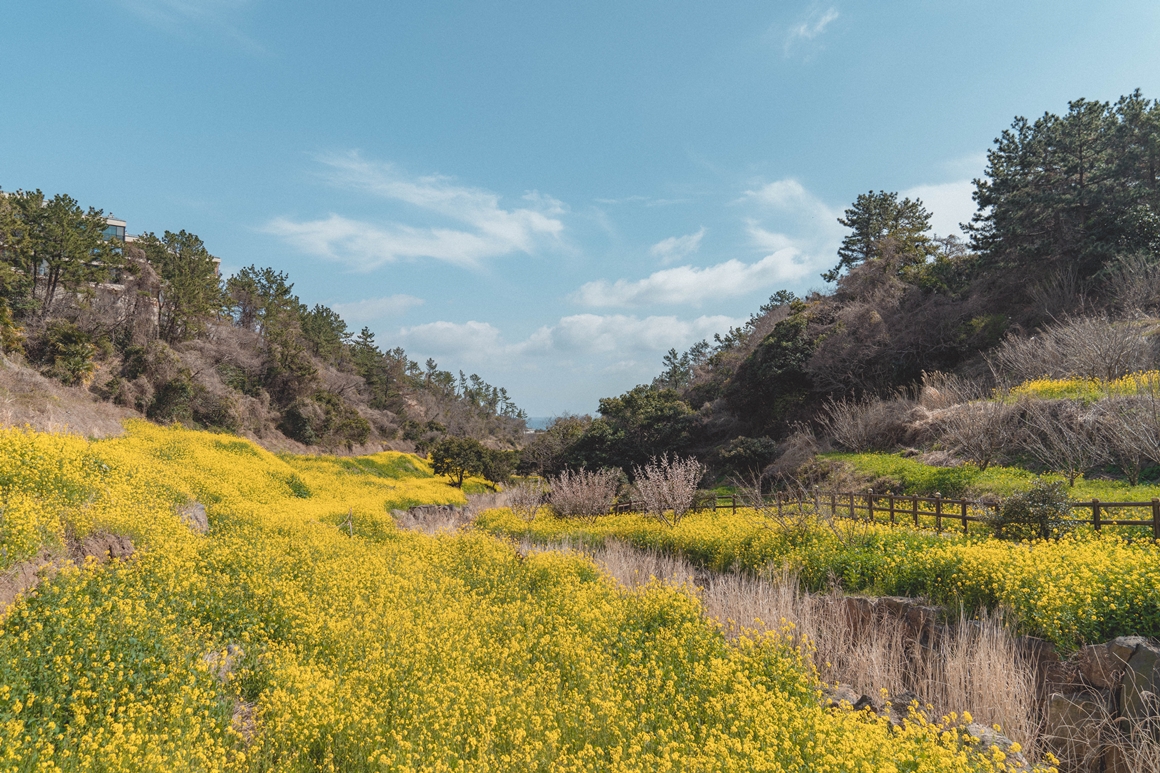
583	493
1062	437
69	351
979	431
499	466
1087	347
525	497
1040	512
865	425
668	486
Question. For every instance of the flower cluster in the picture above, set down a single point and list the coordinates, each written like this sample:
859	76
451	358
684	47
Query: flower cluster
304	632
1087	587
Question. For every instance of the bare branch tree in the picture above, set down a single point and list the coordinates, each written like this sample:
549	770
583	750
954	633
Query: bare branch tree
793	516
980	431
584	494
868	424
525	498
1061	436
668	486
1084	347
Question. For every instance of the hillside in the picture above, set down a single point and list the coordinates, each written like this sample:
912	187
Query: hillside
1060	279
149	325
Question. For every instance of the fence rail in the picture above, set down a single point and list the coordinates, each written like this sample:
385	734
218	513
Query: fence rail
937	510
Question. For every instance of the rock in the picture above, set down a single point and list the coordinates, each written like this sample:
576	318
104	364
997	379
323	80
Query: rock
1123	647
193	515
989	736
102	546
1099	667
835	696
26	575
1141	683
858	612
1073	722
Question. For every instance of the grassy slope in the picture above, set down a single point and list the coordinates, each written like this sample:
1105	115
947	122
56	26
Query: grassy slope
382	651
914	477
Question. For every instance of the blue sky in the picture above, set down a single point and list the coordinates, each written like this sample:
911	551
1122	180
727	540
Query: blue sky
549	195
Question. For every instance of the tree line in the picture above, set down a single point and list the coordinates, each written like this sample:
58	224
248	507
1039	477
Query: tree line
1067	226
150	324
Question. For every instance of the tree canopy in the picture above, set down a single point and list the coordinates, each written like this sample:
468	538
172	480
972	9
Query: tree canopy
1072	192
876	218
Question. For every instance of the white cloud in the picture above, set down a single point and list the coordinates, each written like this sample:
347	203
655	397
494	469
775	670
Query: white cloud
677	247
689	285
813	25
949	203
469	341
805	248
618	333
371	309
491	230
613	336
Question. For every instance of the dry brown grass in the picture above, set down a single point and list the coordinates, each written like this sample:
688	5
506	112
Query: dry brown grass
974	666
29	399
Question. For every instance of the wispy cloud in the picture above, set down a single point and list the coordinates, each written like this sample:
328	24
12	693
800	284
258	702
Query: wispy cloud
617	337
950	205
694	286
372	309
809	28
677	248
491	230
180	16
796	231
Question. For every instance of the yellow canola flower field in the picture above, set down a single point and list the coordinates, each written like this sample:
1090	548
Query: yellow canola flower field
1088	389
278	641
1084	588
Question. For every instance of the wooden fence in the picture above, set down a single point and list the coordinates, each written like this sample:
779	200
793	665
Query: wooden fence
935	511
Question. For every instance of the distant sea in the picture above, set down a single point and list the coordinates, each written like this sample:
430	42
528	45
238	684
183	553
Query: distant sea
539	422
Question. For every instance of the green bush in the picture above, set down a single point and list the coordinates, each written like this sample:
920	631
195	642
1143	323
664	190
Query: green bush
1040	512
69	352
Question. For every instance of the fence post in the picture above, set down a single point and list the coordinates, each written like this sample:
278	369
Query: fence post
779	504
1155	518
817	500
852	517
870	505
914	508
734	498
937	511
833	504
890	494
1096	514
965	516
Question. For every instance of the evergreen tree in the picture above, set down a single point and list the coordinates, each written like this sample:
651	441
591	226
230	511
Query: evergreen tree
1072	192
878	218
190	290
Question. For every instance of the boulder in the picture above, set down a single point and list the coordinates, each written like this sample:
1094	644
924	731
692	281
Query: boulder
193	515
835	696
1141	683
1073	724
990	737
1123	647
1099	667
